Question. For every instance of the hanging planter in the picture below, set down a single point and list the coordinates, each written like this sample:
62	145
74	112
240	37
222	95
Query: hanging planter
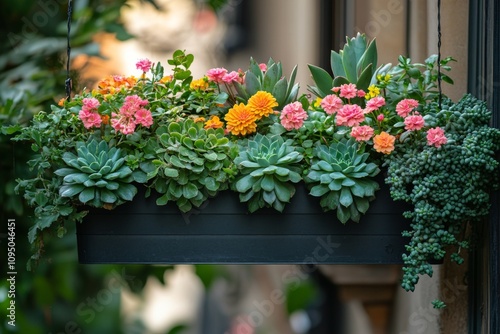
223	231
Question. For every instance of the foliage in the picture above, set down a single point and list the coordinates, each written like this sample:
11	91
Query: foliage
439	156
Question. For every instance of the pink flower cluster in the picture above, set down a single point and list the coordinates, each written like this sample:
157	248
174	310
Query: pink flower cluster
406	106
131	114
221	75
89	115
350	115
144	65
436	137
293	116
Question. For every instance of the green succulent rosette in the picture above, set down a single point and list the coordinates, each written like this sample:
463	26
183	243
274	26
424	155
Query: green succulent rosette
97	175
268	167
342	177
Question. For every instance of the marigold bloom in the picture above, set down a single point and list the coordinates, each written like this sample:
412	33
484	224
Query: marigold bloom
240	120
362	133
214	123
414	122
216	74
293	116
436	137
262	104
61	101
199	84
374	104
348	91
144	65
350	115
406	106
105	119
384	143
331	104
89	118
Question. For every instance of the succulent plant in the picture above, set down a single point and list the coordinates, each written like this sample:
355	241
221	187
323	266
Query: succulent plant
354	64
97	174
271	80
343	179
268	167
192	163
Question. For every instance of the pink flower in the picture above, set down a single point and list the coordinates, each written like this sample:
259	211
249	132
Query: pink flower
348	91
90	118
414	122
374	104
293	116
436	137
143	65
144	117
361	133
132	104
216	74
232	76
404	107
263	67
90	104
361	93
380	117
122	123
335	89
331	104
350	115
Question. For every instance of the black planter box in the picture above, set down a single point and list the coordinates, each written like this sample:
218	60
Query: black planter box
223	232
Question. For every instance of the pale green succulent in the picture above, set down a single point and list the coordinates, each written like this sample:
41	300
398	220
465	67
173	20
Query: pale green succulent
343	179
271	80
97	175
192	164
268	167
356	64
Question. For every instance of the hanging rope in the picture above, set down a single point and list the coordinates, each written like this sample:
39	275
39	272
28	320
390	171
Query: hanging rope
68	52
439	52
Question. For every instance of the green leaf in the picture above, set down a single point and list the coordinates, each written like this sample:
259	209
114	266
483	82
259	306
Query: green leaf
70	190
252	83
279	92
244	184
322	79
336	64
170	172
126	192
269	197
319	190
267	183
108	196
345	197
189	190
87	195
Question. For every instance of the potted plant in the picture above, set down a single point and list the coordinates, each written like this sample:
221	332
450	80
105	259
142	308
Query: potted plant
237	167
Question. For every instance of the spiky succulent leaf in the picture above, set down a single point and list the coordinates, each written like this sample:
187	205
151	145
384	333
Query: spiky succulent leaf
340	175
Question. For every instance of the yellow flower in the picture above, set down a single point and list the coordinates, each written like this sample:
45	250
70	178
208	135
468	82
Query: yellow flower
241	120
384	143
166	79
200	84
262	104
372	92
214	123
317	102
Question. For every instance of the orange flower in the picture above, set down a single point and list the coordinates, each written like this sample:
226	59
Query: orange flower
200	84
61	102
384	143
105	119
213	123
262	104
241	120
114	83
199	119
